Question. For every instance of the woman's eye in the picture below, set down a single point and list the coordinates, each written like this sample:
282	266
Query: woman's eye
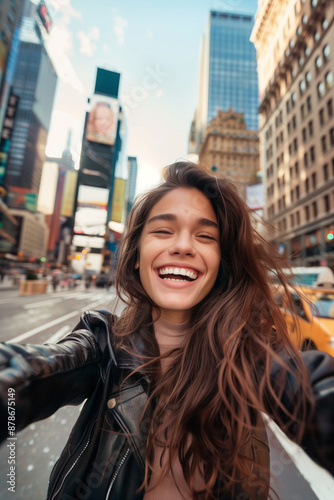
207	236
162	231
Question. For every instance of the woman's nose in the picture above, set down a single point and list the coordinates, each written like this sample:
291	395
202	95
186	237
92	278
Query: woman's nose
182	244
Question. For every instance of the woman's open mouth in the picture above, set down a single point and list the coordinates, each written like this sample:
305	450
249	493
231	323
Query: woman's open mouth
177	274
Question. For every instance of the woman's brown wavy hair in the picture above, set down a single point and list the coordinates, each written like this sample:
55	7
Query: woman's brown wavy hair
221	378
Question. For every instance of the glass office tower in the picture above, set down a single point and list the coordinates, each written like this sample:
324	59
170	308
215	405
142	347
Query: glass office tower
228	75
34	84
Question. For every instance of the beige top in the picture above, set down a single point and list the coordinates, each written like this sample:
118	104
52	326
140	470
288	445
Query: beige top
169	335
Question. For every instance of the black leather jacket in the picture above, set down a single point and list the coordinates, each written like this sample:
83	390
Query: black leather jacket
105	453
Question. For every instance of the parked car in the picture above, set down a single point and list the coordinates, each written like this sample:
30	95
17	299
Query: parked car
315	317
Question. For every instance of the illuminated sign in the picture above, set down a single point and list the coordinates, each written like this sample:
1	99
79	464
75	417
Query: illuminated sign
44	15
102	120
91	213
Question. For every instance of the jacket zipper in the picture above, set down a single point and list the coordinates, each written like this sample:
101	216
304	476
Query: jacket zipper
113	479
71	468
124	427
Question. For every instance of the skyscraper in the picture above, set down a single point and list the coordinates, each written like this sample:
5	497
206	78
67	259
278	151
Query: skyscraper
227	76
295	45
34	85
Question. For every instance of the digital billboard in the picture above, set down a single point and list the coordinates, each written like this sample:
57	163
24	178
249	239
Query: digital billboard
102	120
22	198
118	200
44	16
91	214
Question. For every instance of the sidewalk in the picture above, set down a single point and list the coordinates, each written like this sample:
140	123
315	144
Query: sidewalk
9	285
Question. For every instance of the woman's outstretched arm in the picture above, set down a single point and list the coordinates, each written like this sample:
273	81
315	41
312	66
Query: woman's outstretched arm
40	379
318	436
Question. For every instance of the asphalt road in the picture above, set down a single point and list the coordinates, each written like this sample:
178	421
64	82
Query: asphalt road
44	318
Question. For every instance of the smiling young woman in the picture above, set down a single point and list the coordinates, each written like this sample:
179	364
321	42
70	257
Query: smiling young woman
177	385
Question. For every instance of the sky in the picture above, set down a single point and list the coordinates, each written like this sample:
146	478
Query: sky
155	46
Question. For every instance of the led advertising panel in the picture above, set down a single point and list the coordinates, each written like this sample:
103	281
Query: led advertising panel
91	214
102	120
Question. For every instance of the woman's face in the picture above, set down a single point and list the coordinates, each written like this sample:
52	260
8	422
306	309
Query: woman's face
179	252
103	120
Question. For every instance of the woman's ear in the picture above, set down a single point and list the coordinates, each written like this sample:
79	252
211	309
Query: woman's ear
137	264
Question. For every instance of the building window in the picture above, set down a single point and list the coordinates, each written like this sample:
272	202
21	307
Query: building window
307	213
316	36
290	149
289	128
310	128
307	185
302	111
326	52
321	116
323	144
312	154
293	99
330	107
309	103
331	136
296	168
321	89
308	78
324	24
288	107
304	135
298	217
314	3
294	122
305	159
315	209
325	171
329	80
314	180
297	192
327	203
295	145
318	63
284	224
291	196
292	220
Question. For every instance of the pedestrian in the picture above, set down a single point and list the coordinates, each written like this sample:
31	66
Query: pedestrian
176	386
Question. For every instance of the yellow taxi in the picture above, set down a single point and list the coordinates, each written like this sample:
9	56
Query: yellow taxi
314	307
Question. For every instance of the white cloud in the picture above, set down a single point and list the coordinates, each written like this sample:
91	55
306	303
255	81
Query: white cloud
119	26
65	8
59	44
87	45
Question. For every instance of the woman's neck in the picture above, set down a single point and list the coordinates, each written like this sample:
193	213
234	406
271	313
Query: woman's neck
169	335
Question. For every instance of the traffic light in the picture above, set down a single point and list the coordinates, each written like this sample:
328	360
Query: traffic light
330	235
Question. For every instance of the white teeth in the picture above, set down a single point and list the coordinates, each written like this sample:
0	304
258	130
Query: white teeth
178	271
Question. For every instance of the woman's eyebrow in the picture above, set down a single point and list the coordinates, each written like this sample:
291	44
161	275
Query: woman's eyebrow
203	221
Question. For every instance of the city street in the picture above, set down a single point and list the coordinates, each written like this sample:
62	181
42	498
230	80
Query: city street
49	317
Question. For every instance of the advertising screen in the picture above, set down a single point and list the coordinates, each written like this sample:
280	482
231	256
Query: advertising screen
102	120
91	214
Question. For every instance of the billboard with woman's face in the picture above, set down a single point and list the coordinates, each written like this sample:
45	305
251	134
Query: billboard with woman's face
102	120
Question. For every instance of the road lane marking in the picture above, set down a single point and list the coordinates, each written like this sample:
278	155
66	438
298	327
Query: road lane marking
40	328
64	330
55	322
319	479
